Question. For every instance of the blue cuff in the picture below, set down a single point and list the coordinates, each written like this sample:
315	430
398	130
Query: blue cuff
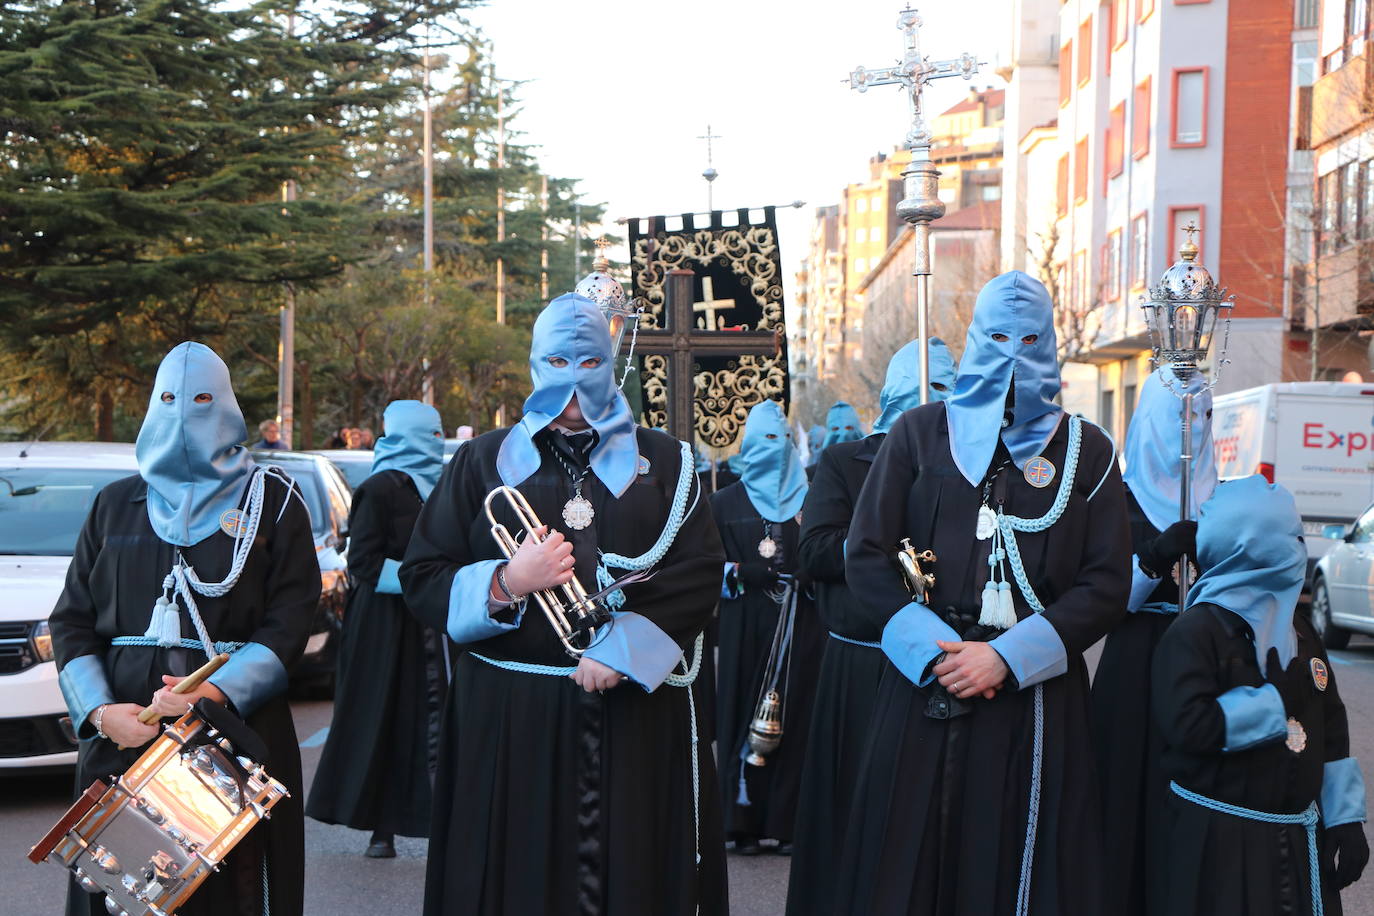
638	649
909	641
84	687
389	582
726	589
1254	715
469	608
1342	792
1141	586
1033	651
252	676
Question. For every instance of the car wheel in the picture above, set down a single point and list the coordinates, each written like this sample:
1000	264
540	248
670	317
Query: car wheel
1332	636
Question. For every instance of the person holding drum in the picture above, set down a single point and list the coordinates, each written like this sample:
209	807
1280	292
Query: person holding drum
201	552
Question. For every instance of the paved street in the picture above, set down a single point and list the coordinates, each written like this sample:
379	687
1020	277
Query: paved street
342	882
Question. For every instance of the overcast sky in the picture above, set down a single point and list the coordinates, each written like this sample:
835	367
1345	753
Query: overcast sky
619	91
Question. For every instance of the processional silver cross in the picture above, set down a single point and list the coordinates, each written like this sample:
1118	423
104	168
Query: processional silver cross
922	204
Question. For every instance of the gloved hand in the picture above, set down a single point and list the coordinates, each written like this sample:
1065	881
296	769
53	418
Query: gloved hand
760	576
1159	556
1289	683
1348	841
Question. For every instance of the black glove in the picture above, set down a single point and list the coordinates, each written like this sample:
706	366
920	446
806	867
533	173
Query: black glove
1159	556
1348	841
757	575
1289	683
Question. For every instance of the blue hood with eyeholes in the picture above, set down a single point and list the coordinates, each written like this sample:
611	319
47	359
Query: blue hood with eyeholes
1013	307
412	442
1253	561
1153	465
770	465
902	389
842	424
572	329
191	453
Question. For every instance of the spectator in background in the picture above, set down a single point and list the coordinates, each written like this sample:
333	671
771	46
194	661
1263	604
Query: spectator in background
353	437
464	433
269	435
366	438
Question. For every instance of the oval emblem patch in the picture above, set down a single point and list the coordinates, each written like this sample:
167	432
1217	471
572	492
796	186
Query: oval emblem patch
1039	472
232	523
1319	674
643	465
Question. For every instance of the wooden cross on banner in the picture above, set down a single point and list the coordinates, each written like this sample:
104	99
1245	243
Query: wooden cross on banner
683	343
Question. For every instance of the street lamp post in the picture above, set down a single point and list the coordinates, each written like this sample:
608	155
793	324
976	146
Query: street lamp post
1181	315
921	205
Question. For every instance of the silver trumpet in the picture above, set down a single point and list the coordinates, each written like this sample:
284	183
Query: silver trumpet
573	614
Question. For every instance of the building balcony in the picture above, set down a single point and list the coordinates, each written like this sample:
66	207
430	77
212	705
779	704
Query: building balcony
1342	99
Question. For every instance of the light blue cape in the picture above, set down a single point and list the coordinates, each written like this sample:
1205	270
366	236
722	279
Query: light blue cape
573	328
1015	305
191	454
902	388
815	436
842	424
771	469
412	442
1153	466
1253	561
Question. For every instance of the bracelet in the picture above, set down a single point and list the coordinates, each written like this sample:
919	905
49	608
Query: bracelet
511	597
99	718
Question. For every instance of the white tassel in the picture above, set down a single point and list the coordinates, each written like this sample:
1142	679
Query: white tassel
988	615
1006	609
165	625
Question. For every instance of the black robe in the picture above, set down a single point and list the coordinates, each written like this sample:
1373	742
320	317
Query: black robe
374	772
1128	746
115	577
940	811
549	800
747	624
1218	864
848	684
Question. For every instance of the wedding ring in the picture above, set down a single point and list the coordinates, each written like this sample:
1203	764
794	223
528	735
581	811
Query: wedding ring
954	688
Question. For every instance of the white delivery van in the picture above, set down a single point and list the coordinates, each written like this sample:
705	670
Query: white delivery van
1315	438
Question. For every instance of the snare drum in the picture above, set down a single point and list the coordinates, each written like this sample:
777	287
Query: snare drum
150	839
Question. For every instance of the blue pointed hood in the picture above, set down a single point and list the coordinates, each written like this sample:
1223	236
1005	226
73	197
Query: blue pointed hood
191	453
770	465
815	436
1013	306
902	389
412	442
1153	466
842	424
572	329
1253	561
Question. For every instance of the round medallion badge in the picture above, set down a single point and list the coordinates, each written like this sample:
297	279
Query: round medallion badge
1320	676
1039	472
232	523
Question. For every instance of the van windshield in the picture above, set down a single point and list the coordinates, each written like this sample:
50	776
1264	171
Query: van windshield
42	509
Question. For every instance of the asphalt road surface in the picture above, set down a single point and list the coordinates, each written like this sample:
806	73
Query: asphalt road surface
342	882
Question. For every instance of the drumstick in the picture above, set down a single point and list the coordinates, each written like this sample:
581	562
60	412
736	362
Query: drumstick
187	684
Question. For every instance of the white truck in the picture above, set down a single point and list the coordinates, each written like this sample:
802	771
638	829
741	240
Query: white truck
1315	438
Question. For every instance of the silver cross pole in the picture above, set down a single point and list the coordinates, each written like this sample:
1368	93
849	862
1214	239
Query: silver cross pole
922	204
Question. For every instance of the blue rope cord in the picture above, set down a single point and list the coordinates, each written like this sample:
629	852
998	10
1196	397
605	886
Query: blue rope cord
1307	819
665	538
855	642
193	644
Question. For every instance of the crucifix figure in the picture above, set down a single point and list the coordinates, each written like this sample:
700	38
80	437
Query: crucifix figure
710	305
922	204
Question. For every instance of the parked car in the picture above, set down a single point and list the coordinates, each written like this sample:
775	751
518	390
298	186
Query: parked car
328	497
354	463
1343	583
46	492
1315	438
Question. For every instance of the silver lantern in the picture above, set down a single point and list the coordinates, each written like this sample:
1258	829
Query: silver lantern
1181	314
599	286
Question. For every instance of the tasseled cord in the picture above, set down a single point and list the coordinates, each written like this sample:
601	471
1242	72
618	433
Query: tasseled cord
998	609
165	625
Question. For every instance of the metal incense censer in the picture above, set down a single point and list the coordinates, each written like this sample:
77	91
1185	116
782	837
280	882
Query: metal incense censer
1181	314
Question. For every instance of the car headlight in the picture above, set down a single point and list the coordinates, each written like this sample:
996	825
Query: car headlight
42	641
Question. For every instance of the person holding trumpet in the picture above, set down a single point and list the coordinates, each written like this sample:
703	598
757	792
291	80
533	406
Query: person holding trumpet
572	778
201	553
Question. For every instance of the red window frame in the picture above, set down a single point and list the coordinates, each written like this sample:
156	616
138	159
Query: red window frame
1116	143
1062	186
1121	22
1171	245
1085	51
1065	73
1140	120
1143	9
1173	105
1080	171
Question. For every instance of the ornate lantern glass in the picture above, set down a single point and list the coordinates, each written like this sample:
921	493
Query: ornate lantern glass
1181	312
603	289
